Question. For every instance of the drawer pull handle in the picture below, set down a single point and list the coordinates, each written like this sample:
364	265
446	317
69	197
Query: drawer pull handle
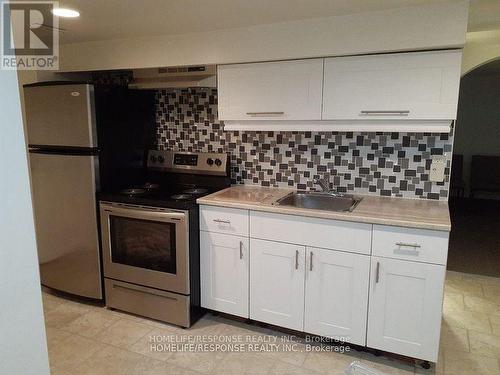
382	112
279	113
377	273
403	249
414	245
311	261
296	259
241	249
220	221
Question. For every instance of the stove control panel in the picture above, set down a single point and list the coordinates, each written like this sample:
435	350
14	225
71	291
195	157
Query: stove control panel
189	162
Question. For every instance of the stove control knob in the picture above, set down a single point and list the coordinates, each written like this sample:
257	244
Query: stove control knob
218	162
210	161
153	158
161	159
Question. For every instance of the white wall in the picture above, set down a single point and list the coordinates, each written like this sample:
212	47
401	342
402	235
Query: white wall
432	26
480	48
478	121
23	347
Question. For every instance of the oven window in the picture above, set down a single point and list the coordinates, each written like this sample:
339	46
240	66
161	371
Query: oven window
143	243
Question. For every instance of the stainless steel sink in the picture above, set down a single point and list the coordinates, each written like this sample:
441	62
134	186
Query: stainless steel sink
319	201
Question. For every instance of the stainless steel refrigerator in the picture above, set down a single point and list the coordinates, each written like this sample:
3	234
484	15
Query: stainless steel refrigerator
63	155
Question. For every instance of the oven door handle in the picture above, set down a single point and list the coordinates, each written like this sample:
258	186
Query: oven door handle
139	213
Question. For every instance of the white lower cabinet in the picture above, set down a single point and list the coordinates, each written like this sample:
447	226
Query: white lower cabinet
224	261
277	283
405	307
337	294
385	296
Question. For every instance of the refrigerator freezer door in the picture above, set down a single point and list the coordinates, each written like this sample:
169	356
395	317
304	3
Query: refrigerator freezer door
60	115
64	203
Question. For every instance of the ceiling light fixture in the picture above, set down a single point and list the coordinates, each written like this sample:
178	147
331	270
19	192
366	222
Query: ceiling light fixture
65	12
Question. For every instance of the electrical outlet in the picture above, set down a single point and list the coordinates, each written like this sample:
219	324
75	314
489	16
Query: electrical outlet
437	168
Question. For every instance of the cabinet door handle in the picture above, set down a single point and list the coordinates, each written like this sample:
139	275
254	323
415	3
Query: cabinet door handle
241	249
220	221
414	245
296	259
265	113
403	112
311	261
377	273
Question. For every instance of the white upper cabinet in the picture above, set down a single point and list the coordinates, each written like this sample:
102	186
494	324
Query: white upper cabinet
282	90
404	86
413	92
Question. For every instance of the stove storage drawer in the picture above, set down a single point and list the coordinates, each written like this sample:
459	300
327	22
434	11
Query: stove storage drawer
152	303
224	220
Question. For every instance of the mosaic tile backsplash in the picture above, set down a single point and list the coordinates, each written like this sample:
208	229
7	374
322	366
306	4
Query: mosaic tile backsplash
387	164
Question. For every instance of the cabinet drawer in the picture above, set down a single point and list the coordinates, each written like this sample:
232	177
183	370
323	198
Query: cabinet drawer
418	245
323	233
224	220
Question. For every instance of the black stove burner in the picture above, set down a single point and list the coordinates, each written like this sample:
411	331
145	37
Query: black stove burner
178	197
134	191
150	186
196	191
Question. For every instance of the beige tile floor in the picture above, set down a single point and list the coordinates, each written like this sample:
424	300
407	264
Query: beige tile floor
89	339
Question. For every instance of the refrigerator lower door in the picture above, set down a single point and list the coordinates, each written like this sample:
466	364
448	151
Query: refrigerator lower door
64	203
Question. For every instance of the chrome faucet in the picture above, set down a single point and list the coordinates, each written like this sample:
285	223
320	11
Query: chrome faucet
324	183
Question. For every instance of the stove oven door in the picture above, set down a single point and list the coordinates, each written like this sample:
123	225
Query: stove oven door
146	246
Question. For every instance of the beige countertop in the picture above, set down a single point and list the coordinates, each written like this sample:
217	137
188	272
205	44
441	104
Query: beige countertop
411	213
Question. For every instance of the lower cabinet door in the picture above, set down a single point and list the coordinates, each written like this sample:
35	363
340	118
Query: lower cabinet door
277	283
224	273
405	307
337	294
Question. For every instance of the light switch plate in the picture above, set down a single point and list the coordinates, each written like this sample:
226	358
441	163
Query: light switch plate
437	168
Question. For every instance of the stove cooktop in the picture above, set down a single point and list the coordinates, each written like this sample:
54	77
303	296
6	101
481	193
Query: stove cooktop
181	197
174	180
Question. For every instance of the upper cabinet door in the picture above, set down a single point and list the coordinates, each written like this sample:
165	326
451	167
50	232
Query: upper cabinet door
283	90
414	86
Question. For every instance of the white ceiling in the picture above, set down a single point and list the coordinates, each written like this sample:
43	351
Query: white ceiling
114	19
484	15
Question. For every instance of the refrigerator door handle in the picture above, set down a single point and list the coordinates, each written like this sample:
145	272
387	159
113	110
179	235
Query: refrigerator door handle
68	151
